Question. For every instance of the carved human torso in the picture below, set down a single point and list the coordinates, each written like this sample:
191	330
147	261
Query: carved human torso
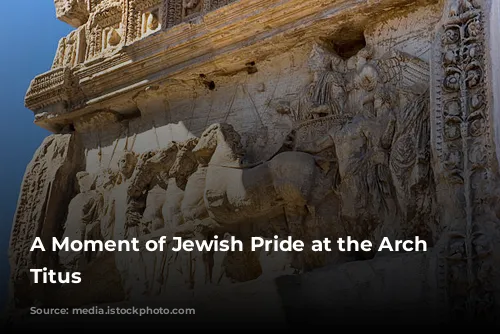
85	209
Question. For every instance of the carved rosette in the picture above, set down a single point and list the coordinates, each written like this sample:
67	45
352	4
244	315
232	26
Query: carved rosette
463	146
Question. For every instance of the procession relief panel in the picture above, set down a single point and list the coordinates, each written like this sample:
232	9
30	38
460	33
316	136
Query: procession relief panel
147	175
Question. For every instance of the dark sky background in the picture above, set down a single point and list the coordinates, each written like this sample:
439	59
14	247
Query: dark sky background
29	34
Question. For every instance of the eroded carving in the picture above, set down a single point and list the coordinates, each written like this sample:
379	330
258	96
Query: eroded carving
191	7
464	128
71	50
378	136
47	186
143	18
73	12
357	159
106	28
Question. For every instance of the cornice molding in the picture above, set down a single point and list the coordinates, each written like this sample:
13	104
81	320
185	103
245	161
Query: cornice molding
87	83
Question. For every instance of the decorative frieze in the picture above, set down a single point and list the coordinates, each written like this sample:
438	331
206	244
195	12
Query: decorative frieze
125	46
464	147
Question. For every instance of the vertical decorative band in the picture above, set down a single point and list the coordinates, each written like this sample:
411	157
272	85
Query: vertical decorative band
463	145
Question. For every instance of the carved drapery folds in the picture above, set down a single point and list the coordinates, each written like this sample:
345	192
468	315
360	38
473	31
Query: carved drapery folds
463	145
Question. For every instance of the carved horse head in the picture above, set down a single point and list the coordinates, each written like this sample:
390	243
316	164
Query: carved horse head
221	140
185	162
151	164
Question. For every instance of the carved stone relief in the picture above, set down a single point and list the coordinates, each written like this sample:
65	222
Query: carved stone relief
73	12
143	18
103	27
375	108
49	177
464	148
191	7
71	50
106	28
363	100
384	142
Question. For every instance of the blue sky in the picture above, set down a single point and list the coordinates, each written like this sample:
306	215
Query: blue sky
29	42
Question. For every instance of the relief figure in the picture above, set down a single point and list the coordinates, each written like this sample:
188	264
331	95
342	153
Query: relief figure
85	209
